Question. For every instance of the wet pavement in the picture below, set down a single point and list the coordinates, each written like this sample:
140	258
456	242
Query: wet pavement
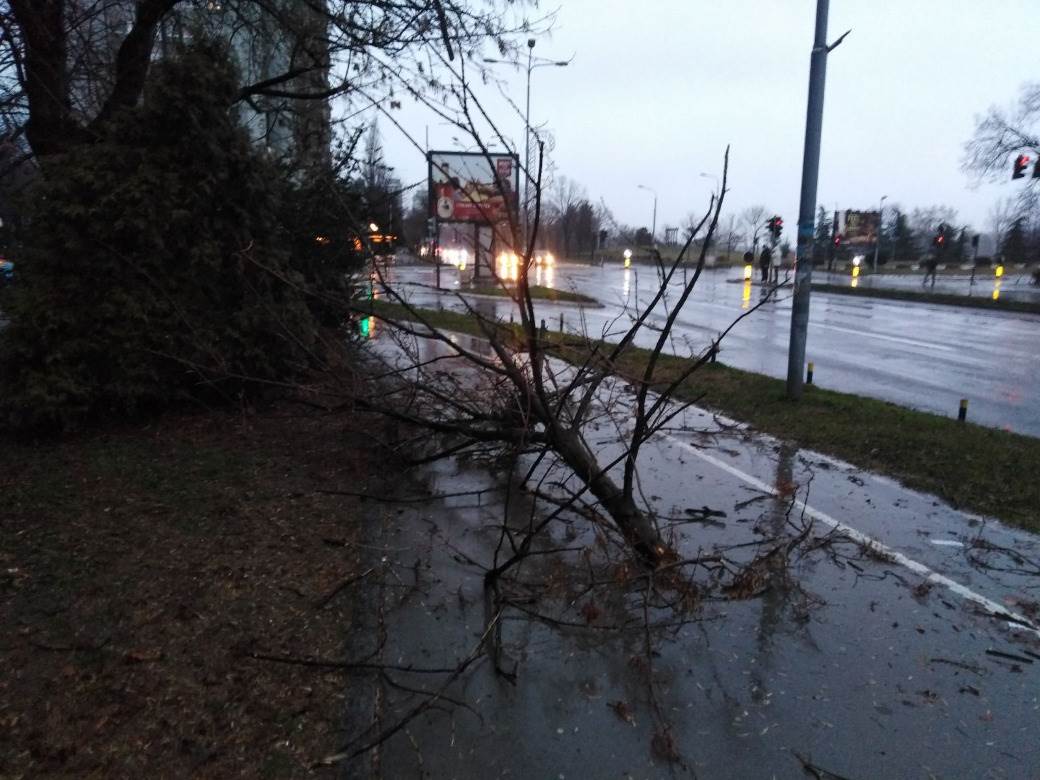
923	356
908	651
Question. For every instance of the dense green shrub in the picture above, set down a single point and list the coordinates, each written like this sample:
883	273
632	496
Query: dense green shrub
153	266
321	227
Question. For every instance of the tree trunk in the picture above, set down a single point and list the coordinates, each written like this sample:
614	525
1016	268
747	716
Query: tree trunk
630	520
134	58
42	24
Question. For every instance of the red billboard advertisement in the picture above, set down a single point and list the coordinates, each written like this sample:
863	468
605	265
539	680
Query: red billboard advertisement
473	187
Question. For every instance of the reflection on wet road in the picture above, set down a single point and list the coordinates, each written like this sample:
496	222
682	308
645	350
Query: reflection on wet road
918	355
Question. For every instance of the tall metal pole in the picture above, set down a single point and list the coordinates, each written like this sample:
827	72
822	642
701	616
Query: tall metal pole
527	145
880	222
653	224
807	204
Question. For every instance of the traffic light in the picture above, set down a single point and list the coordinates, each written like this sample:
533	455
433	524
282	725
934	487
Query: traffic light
940	237
775	226
1021	162
837	240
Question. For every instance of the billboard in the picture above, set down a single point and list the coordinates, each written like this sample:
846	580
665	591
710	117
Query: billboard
473	187
861	227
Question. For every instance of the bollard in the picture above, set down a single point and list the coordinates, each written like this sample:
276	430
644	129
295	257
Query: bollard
510	318
545	330
962	413
809	373
561	322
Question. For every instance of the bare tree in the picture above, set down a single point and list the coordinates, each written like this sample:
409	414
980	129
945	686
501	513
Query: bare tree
1001	216
753	220
562	213
1002	133
925	220
525	392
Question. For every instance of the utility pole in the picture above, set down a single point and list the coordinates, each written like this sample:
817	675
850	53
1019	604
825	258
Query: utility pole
807	202
528	132
653	224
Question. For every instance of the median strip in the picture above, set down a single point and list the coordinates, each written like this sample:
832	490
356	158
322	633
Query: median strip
941	299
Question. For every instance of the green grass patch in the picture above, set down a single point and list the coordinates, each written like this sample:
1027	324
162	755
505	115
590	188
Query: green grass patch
945	299
643	256
984	470
537	292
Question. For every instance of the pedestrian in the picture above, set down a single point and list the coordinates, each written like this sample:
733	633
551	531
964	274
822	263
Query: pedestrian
930	266
774	267
765	260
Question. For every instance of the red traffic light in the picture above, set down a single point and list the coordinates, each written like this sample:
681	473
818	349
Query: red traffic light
1021	162
837	240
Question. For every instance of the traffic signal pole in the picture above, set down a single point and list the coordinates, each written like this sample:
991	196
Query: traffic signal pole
807	202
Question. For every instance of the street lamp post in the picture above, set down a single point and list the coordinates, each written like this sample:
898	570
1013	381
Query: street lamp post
532	63
527	143
653	224
880	222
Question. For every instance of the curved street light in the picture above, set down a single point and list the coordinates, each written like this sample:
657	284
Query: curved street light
718	184
532	63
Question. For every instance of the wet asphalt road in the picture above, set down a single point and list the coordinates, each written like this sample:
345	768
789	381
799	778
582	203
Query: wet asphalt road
864	664
918	355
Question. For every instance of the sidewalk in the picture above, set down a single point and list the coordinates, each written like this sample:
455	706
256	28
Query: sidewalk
878	656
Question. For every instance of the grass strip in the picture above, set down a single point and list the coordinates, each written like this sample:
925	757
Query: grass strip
971	467
944	299
537	292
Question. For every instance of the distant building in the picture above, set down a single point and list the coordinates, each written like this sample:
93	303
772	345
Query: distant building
295	130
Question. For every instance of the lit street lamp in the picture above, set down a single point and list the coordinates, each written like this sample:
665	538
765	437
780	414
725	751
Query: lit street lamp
653	225
880	221
532	63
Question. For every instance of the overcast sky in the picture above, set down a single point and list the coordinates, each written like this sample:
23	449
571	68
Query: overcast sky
658	88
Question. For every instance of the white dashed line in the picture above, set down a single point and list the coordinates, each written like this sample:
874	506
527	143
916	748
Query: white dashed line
861	538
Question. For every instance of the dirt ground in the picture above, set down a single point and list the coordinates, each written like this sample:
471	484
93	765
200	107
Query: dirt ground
141	571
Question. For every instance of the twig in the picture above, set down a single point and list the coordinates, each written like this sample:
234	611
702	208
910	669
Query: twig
384	735
319	663
341	587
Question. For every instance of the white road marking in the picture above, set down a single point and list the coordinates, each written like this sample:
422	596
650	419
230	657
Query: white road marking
861	538
867	334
